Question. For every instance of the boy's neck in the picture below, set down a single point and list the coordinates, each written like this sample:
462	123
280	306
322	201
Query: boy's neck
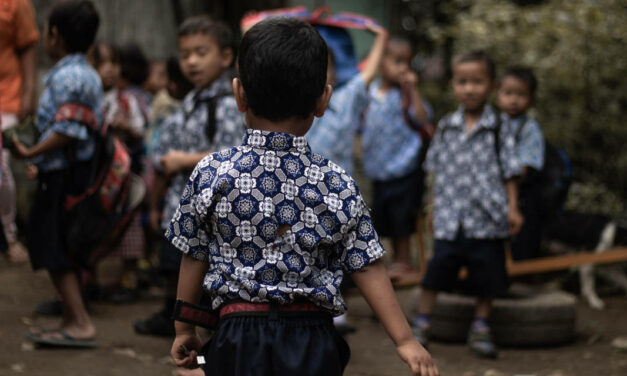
294	126
386	85
472	116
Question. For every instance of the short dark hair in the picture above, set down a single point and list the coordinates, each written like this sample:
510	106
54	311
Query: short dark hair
523	74
477	56
205	25
77	23
96	53
282	64
134	65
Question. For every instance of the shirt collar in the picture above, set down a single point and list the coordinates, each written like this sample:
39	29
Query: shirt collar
71	59
276	141
487	119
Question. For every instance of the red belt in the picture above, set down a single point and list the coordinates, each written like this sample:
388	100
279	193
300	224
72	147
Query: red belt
202	316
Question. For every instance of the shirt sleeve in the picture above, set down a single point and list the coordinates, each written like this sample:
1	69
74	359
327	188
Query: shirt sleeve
189	230
530	147
136	117
510	164
361	245
25	24
68	87
167	136
351	100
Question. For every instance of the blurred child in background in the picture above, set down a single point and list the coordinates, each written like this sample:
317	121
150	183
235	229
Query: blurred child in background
104	57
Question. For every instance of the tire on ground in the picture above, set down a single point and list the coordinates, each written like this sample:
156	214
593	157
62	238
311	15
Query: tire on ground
540	319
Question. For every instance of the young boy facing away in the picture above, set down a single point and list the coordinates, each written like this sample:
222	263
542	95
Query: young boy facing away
71	88
268	227
515	96
333	135
391	149
475	199
205	53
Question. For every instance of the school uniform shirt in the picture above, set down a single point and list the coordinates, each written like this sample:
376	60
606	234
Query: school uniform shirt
186	131
71	80
129	105
333	135
237	200
390	145
529	140
469	190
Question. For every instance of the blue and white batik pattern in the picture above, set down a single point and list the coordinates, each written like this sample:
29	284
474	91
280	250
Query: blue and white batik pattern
529	142
469	190
186	130
235	203
390	146
333	135
71	80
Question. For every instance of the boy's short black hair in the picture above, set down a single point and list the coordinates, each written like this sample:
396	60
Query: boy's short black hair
477	56
205	25
77	23
134	66
523	74
282	64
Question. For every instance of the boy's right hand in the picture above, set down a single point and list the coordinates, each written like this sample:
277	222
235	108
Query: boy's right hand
185	350
417	358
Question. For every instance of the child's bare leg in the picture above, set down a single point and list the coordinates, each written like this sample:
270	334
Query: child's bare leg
427	301
76	321
483	308
400	244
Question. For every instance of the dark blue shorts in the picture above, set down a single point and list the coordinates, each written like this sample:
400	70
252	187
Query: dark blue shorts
306	344
484	259
169	257
396	204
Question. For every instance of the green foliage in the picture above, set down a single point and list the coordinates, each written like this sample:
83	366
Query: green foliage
577	50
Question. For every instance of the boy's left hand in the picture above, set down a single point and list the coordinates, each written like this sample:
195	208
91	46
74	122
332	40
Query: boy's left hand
185	350
173	161
515	221
417	358
19	150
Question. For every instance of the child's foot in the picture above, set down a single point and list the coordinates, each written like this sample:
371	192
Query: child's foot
402	274
16	254
159	324
480	341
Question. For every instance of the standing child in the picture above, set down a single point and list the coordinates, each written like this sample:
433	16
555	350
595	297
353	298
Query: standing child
391	150
72	90
268	228
105	59
516	95
208	121
475	199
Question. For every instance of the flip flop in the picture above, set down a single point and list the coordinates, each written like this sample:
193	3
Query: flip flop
66	340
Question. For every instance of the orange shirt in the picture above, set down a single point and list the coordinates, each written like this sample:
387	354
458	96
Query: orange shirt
18	30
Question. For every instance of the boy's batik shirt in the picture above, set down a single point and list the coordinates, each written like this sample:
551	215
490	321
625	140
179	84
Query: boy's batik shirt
469	190
390	145
71	80
529	140
237	200
186	131
333	135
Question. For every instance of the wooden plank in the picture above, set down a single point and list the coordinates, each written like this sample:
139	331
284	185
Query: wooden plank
547	264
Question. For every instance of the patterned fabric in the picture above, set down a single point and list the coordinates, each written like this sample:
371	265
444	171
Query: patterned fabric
390	145
469	189
186	130
71	80
333	135
129	105
237	200
529	141
132	246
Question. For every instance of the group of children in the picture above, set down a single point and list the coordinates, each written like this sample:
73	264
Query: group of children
262	219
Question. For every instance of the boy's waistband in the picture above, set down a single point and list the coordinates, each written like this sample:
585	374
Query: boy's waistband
205	317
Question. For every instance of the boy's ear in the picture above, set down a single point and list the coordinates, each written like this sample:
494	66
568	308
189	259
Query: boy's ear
323	101
240	95
227	57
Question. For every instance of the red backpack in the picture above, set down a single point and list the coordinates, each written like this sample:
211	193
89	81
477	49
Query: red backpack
97	217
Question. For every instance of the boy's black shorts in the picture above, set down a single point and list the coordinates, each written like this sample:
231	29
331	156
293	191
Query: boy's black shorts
484	258
396	204
306	344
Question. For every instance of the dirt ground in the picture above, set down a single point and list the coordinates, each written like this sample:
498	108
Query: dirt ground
122	352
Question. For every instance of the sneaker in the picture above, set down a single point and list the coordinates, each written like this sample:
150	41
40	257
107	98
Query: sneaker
422	333
481	343
159	324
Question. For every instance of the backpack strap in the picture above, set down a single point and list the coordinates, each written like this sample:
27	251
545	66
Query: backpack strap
212	105
497	140
79	113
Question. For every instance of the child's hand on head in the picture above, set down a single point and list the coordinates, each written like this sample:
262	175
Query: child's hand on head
375	28
515	220
417	358
173	161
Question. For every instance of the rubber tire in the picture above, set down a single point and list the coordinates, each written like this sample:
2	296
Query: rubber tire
540	319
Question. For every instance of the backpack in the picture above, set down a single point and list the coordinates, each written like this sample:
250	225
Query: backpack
98	215
553	181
